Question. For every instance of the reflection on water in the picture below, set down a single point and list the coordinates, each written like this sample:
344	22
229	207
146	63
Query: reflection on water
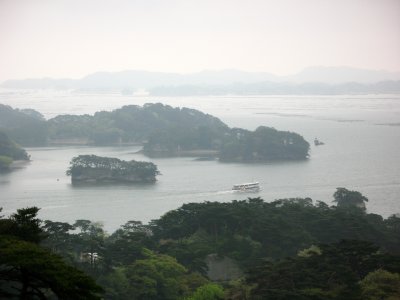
114	185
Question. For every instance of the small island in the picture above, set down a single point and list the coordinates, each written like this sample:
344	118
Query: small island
98	169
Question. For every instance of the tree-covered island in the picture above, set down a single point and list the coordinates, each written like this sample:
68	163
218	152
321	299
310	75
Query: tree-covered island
161	129
97	169
263	144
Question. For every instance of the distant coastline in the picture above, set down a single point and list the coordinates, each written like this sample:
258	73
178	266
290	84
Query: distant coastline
310	81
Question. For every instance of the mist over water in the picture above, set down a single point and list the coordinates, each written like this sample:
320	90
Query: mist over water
361	135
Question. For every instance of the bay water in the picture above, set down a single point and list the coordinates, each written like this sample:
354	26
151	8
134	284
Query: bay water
361	152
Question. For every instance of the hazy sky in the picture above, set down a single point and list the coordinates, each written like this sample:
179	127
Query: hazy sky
71	38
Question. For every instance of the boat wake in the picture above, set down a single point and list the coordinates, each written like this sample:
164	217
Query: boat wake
226	192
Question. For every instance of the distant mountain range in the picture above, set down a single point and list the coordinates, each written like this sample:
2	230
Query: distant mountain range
314	80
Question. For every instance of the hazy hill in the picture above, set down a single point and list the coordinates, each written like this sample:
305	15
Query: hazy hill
136	79
280	88
313	80
340	75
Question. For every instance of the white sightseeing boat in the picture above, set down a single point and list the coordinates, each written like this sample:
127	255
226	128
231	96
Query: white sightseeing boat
247	187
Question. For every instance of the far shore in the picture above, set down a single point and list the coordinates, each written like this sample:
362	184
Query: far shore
85	142
183	153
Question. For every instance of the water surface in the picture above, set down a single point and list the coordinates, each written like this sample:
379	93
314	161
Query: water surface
361	152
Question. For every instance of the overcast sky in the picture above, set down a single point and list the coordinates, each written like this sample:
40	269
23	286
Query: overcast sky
71	38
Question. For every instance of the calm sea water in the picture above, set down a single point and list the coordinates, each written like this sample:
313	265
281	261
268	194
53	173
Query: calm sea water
361	152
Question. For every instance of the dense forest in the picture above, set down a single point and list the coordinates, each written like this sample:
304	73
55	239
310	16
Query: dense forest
286	249
97	169
161	129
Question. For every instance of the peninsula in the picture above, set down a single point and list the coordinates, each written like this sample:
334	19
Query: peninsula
9	152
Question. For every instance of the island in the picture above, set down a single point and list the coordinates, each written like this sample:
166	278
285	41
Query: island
98	169
263	144
229	145
162	130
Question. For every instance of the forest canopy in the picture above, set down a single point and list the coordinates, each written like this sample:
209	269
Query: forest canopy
92	168
10	151
287	249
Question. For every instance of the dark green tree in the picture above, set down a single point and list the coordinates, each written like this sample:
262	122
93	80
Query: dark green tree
158	277
91	167
59	238
126	244
209	291
348	199
31	272
23	224
89	245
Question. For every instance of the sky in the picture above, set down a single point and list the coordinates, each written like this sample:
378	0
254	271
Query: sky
72	38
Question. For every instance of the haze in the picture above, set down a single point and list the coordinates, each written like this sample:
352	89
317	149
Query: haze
71	38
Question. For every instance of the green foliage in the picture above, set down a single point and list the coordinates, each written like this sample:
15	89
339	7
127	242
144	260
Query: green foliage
240	145
26	127
152	276
177	140
133	124
209	291
31	272
162	129
59	240
82	244
189	252
70	126
349	199
290	249
238	289
5	162
89	244
126	244
263	144
10	149
334	274
106	136
116	284
157	277
247	230
24	225
381	285
92	167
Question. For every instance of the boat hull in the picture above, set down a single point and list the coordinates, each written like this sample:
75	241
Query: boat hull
246	187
